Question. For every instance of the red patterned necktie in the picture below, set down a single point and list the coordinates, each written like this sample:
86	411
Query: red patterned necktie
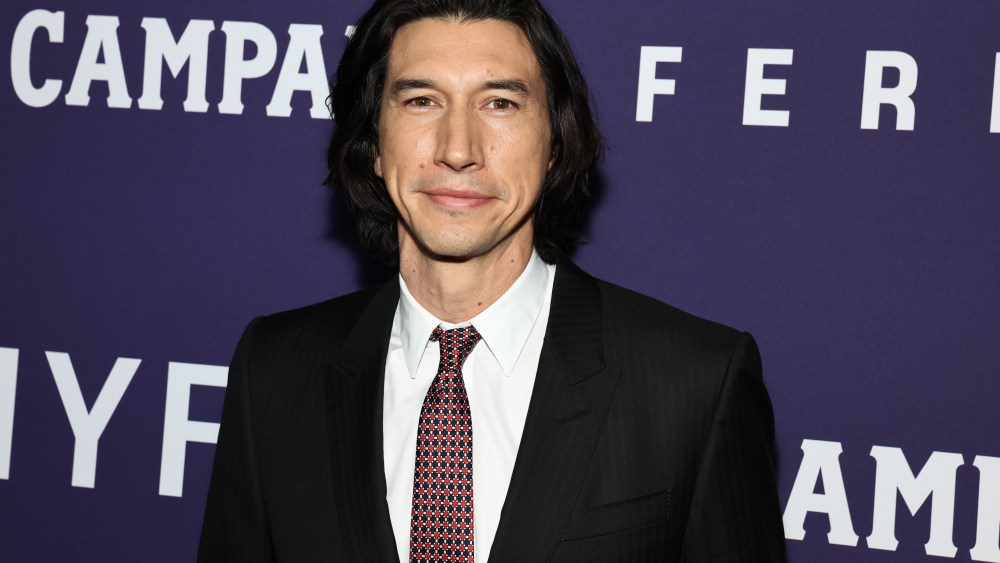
441	518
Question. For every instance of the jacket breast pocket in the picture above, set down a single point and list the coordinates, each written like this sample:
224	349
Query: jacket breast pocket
618	516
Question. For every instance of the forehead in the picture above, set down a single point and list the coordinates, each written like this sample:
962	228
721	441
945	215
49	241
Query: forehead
446	49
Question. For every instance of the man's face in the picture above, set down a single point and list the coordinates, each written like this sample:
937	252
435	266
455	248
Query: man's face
464	134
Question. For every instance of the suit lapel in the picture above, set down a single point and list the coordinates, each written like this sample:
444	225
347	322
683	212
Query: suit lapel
569	403
354	389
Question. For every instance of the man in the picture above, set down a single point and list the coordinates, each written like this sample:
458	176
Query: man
491	401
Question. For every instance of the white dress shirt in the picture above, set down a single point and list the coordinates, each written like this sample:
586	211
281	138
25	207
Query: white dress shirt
499	375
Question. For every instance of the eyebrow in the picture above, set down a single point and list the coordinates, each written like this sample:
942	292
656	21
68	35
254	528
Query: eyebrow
403	84
511	84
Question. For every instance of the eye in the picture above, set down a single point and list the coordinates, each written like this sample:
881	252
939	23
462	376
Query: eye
420	102
501	104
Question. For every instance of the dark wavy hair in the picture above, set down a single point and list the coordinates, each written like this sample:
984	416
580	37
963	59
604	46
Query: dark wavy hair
356	97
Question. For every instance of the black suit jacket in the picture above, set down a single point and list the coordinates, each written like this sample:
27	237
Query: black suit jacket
649	437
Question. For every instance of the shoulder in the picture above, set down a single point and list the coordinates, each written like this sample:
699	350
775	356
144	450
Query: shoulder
309	327
666	353
667	348
629	312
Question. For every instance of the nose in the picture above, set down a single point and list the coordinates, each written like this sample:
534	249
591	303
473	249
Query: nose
459	141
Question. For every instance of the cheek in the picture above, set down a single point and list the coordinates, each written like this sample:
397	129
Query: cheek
408	150
389	151
520	154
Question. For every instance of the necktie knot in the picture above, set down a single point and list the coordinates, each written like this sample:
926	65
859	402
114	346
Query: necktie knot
456	345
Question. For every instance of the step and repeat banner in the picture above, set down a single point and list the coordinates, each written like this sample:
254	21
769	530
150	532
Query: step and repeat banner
825	176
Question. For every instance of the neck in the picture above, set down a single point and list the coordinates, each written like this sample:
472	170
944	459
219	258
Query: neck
457	290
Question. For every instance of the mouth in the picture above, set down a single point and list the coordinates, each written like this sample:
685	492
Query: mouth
458	199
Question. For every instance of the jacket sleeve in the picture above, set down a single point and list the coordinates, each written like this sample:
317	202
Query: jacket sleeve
235	526
735	513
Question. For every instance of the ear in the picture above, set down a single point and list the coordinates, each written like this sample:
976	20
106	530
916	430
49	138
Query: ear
378	166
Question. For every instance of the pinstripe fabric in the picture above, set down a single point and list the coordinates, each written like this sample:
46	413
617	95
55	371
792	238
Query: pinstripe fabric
649	437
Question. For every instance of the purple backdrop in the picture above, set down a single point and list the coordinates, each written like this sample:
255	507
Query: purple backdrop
863	260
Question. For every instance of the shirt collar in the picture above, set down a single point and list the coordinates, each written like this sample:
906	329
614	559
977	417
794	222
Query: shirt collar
504	325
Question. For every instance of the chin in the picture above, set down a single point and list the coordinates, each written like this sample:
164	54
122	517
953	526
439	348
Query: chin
458	247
